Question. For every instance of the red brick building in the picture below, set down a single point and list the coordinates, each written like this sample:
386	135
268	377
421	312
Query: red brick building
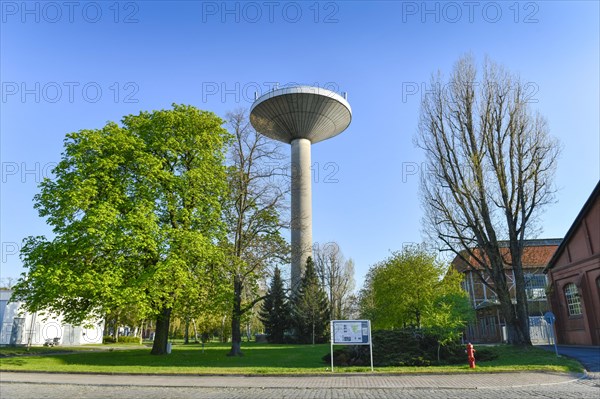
489	323
574	276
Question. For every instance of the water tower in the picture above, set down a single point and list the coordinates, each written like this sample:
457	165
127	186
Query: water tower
300	116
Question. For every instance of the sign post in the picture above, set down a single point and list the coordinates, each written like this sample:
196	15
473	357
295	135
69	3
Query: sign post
550	318
351	332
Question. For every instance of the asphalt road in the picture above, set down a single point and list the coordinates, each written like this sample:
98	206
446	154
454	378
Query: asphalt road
589	356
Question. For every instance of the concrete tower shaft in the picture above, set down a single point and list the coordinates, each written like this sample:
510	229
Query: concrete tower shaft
301	223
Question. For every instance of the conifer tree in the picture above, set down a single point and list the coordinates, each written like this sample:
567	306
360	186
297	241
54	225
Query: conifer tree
275	310
311	308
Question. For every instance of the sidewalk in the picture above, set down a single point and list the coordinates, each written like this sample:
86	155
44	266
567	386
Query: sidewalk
354	381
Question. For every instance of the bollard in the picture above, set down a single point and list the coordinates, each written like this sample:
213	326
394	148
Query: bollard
471	355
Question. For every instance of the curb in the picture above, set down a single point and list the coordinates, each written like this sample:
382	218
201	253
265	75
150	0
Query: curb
419	385
582	375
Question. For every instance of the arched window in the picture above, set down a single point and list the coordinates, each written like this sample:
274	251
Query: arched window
573	300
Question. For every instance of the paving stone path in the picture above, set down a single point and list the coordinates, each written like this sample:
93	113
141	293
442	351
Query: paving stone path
505	385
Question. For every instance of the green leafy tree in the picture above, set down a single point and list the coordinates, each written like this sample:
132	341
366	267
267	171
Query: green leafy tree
310	307
136	212
411	288
452	311
275	310
208	303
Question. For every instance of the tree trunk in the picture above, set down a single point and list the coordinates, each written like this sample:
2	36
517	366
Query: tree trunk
106	330
195	331
236	332
513	327
161	336
223	329
186	332
117	327
522	310
522	319
516	334
236	337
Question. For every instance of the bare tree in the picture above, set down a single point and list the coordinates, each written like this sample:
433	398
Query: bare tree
336	275
255	216
490	167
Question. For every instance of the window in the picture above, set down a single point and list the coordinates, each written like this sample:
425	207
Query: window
535	286
573	300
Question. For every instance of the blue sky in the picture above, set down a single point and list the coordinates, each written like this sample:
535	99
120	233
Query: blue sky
69	66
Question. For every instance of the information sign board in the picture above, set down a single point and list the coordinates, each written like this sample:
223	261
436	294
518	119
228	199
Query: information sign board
351	332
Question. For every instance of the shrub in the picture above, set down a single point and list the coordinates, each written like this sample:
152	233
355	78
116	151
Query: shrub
129	340
350	356
485	354
406	347
109	339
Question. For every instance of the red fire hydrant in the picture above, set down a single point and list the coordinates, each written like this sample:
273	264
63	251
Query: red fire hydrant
471	355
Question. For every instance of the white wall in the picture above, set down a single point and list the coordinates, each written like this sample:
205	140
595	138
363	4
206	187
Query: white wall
21	328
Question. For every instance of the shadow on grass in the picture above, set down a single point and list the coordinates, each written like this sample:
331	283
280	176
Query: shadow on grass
185	357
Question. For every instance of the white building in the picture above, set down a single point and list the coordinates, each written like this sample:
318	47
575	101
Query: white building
18	327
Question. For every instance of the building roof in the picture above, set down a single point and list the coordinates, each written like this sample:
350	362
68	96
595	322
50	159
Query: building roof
536	254
582	214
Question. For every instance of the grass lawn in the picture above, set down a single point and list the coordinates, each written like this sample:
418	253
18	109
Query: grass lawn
258	359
